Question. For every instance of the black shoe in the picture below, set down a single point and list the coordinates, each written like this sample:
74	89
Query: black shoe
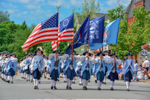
39	82
128	89
103	82
55	87
80	84
31	80
70	88
12	82
57	79
34	87
37	87
98	88
95	81
8	81
45	77
65	81
89	81
84	88
111	89
67	87
73	82
51	87
27	80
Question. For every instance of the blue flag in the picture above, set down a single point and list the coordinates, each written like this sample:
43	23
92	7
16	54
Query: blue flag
110	35
97	30
81	37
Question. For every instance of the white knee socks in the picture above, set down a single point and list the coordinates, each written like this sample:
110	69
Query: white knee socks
31	77
127	84
65	77
104	79
28	76
112	84
70	83
68	80
85	82
74	79
10	78
99	84
36	82
80	80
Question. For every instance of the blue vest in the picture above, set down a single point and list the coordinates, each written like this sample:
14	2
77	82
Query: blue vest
38	64
110	67
84	66
128	68
53	65
97	67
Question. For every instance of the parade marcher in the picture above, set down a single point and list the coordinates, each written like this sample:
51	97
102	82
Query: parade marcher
3	66
44	70
112	70
27	67
37	66
128	70
99	69
70	69
22	65
86	64
12	67
55	68
30	60
106	57
7	63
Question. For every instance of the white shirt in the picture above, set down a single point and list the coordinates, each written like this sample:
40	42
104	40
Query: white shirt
146	62
136	67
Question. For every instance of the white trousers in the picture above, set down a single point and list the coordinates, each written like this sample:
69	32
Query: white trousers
10	78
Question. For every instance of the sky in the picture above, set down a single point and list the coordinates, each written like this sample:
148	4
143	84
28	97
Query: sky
36	11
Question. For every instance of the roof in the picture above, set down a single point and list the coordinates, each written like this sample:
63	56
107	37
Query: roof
102	14
126	11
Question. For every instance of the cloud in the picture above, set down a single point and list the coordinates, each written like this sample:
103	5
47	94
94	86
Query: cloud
76	3
29	6
59	3
111	2
7	5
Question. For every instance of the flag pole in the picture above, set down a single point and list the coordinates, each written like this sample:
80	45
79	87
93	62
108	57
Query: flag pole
72	40
57	34
88	49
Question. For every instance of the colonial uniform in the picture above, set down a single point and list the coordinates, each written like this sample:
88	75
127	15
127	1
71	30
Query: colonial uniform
55	69
99	70
112	70
128	70
86	69
12	68
37	66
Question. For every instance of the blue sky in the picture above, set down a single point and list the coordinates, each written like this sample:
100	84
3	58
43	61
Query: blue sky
36	11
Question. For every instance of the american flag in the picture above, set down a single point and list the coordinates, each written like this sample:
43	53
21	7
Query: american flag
43	32
65	31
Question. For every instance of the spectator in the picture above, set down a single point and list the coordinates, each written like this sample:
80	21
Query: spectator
139	74
135	70
146	64
120	74
145	73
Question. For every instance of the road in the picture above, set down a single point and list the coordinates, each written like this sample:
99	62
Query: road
24	90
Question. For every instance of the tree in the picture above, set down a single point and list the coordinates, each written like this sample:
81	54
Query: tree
139	30
116	13
4	16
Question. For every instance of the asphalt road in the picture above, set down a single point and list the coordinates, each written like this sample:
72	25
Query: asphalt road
24	90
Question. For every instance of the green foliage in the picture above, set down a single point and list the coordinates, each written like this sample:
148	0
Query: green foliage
116	13
137	34
47	47
4	16
139	30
